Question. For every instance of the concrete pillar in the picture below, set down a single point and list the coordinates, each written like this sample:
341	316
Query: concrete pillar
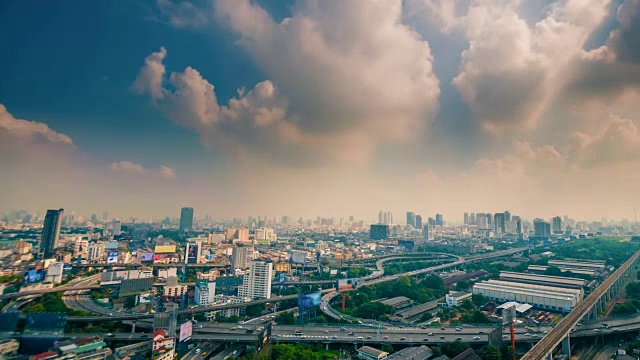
550	356
133	326
594	311
326	346
566	346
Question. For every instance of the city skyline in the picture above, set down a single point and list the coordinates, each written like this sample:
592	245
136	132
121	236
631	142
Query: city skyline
337	108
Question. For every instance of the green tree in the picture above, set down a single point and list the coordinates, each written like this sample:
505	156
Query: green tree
285	318
506	353
453	349
479	299
373	310
433	282
255	310
624	309
130	301
633	289
462	285
488	352
426	317
387	348
467	305
553	271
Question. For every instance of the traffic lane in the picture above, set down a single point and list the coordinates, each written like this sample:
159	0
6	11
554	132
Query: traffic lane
396	338
448	330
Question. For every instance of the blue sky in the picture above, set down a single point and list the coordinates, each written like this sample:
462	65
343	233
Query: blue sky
428	95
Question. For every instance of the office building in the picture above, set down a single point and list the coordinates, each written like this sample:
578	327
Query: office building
379	232
541	229
498	223
418	222
205	292
54	273
431	221
507	215
466	218
456	298
257	282
411	219
95	251
439	220
241	234
427	232
193	252
176	290
241	257
385	217
556	225
472	219
117	228
50	232
186	219
266	235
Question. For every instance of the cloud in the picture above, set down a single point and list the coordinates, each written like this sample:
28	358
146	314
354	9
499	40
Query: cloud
182	14
625	39
511	70
150	77
128	167
28	132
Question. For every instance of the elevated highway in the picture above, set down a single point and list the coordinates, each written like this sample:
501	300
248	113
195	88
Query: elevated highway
589	307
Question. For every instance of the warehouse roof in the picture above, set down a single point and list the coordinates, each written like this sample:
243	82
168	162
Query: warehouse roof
415	310
397	301
415	353
519	307
563	268
542	278
524	291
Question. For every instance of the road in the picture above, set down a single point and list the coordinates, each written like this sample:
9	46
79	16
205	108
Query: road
205	349
232	351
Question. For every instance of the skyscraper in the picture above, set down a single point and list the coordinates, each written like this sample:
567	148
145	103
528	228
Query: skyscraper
466	218
117	228
427	232
498	221
241	257
541	228
50	232
186	219
418	222
411	218
556	225
472	219
439	220
257	282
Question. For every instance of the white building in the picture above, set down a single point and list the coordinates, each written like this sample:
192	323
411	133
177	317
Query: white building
95	251
117	228
266	234
539	296
257	281
222	299
456	298
54	273
241	257
167	273
205	292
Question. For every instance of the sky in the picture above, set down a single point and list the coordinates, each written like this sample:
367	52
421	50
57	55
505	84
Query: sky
321	108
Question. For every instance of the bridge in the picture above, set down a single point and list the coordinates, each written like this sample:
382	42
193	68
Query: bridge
589	307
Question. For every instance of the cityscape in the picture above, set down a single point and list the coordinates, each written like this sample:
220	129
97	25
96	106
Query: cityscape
320	180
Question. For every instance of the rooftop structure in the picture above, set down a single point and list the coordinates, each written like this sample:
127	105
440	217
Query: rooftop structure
397	302
367	352
540	297
542	268
543	279
415	353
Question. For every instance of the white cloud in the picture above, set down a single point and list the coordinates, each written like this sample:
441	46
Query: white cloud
128	167
617	141
28	132
182	14
149	80
166	172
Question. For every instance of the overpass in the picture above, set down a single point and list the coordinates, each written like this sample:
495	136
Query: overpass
589	307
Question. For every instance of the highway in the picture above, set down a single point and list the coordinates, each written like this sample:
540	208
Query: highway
546	346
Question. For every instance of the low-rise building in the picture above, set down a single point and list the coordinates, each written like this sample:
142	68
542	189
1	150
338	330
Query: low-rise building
456	298
175	290
8	346
370	353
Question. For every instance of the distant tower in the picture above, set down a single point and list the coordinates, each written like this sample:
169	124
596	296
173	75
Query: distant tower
186	219
418	222
51	232
411	218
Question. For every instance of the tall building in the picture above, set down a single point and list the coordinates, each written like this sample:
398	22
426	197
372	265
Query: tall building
379	232
241	257
266	234
556	225
51	232
507	215
498	223
193	252
439	220
117	228
431	221
257	282
186	219
466	218
541	228
205	292
418	222
427	232
411	218
472	219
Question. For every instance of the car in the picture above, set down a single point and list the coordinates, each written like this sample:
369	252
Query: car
430	334
326	331
527	334
459	329
425	339
351	333
573	330
443	328
274	335
234	328
109	335
298	332
343	329
578	324
476	338
369	337
596	330
334	337
505	335
198	351
442	337
359	337
481	332
239	326
199	326
402	339
458	339
385	337
303	337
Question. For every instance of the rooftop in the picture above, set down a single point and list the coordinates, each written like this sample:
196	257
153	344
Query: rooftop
415	353
468	354
372	351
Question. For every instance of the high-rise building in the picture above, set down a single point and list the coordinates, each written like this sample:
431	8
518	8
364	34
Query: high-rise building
186	219
51	232
439	220
472	219
411	219
257	282
498	222
518	222
94	219
466	218
266	234
541	228
427	232
431	221
193	252
418	222
556	225
507	215
241	257
205	292
379	232
117	228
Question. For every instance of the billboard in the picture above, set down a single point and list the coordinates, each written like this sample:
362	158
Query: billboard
146	257
282	278
165	249
185	331
333	272
331	262
297	257
159	257
111	245
309	300
112	257
348	284
191	252
32	276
